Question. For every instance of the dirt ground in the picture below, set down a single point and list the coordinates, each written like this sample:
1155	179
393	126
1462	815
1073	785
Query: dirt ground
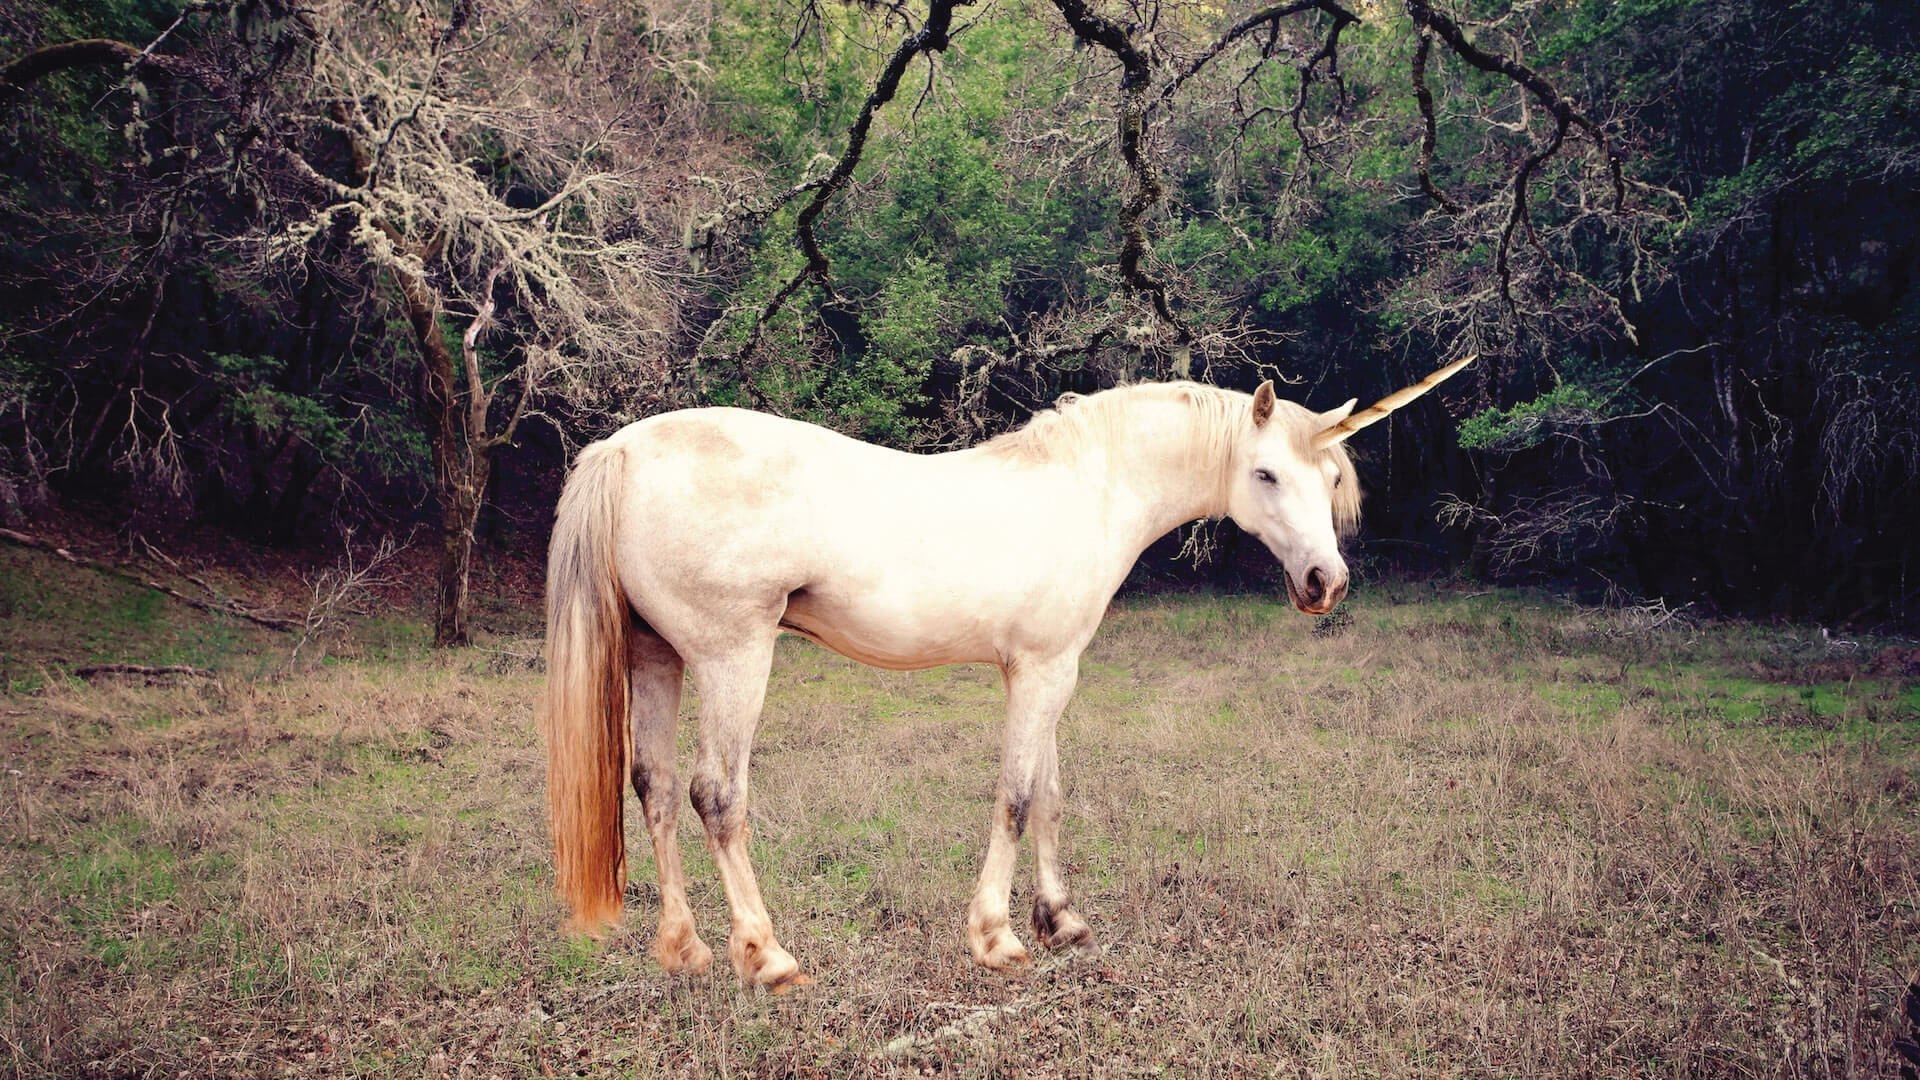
1440	835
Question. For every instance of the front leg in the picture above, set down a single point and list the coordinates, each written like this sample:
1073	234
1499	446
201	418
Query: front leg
1055	923
989	936
1037	690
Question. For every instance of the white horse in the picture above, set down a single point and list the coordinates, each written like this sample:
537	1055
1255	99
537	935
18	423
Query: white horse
687	542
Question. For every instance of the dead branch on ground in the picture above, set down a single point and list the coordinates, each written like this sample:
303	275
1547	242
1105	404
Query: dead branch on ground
143	670
227	607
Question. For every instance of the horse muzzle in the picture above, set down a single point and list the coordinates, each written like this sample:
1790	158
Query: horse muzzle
1320	593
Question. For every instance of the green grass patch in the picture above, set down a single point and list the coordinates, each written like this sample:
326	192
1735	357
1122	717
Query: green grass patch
56	616
115	869
1540	837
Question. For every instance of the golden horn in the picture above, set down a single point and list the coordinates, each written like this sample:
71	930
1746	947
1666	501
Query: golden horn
1378	411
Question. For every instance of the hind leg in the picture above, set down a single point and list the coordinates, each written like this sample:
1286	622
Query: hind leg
655	676
732	690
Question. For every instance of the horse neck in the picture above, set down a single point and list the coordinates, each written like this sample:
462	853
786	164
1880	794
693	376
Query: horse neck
1168	466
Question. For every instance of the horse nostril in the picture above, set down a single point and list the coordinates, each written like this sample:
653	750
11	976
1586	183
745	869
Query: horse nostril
1316	586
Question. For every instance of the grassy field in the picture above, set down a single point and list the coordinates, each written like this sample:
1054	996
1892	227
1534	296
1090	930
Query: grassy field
1437	835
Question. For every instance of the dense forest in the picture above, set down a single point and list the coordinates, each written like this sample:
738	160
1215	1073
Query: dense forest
301	271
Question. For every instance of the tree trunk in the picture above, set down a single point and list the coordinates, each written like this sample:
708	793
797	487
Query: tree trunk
460	491
284	529
460	462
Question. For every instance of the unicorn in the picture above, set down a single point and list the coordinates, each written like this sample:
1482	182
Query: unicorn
685	544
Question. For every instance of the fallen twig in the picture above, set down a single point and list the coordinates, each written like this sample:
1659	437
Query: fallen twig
975	1020
91	670
271	622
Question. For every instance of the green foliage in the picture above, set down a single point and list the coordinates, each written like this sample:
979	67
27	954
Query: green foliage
262	395
1526	424
254	401
1283	276
1861	121
124	20
1594	26
1345	250
903	340
946	242
21	378
945	198
789	103
71	145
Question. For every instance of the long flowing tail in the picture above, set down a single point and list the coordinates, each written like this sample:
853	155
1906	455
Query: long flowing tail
589	744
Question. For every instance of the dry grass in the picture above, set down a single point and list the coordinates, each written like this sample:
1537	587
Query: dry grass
1454	836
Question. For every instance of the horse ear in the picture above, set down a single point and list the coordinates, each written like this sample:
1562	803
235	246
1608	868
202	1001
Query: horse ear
1263	404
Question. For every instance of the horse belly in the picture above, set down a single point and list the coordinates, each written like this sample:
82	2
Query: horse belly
902	637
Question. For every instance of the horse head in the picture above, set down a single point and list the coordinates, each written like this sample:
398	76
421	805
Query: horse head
1293	485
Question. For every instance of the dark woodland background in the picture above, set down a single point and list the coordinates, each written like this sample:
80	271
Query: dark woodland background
313	275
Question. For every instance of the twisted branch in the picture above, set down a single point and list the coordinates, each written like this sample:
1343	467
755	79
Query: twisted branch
933	37
1428	136
1564	113
1147	187
1268	18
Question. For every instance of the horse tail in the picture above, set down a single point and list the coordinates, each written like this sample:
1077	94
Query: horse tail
589	744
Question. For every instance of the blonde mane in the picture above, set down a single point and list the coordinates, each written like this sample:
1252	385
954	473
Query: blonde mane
1220	418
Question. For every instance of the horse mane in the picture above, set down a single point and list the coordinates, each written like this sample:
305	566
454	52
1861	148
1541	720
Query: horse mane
1078	422
1346	494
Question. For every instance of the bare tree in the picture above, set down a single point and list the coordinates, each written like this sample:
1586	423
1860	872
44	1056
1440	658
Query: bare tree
561	223
345	588
508	180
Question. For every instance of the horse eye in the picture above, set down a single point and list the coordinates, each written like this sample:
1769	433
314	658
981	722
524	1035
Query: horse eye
1338	480
1263	476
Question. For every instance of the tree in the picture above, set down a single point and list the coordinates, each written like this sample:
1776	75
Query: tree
509	183
1678	232
1168	66
1758	446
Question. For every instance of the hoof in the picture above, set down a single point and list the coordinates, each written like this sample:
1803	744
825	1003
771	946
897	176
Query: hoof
1059	928
998	950
765	965
681	952
796	979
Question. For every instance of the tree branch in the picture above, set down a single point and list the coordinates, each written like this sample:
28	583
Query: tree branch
479	398
64	56
1329	52
1428	135
91	670
1091	26
271	622
1268	18
1494	63
933	37
1517	213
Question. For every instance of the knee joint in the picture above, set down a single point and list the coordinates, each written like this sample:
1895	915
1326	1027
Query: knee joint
714	799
